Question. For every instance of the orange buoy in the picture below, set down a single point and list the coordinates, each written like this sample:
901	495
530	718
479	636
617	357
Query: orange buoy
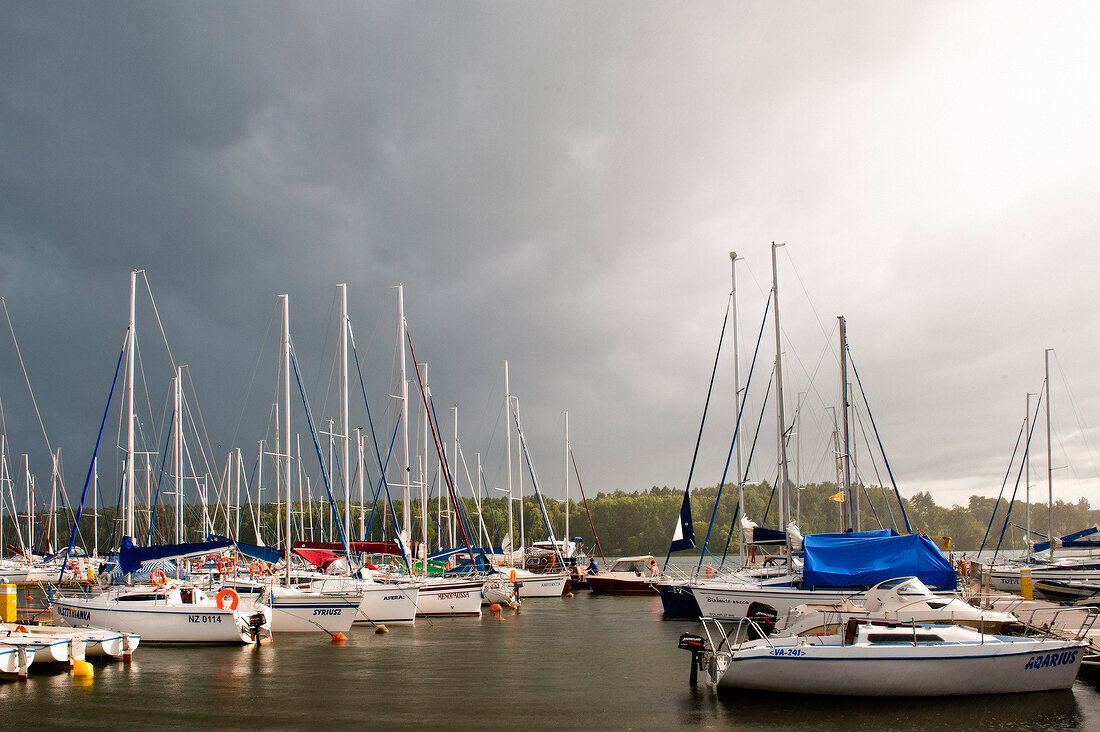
339	638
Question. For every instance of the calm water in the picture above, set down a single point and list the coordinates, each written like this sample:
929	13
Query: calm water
587	662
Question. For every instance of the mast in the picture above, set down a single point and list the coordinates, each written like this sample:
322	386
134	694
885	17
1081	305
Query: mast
508	452
782	423
260	492
345	432
403	393
1050	468
30	503
51	528
1027	465
361	467
453	469
737	411
566	464
845	465
177	452
424	505
128	529
95	507
285	449
519	486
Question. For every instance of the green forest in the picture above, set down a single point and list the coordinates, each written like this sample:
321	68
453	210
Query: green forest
625	523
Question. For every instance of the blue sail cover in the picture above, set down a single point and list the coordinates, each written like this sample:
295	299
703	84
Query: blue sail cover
1069	540
267	554
854	560
130	556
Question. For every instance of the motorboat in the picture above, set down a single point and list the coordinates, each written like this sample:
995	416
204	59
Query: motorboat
906	599
883	658
627	576
1067	590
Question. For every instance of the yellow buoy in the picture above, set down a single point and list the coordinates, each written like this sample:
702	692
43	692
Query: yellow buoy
381	629
82	668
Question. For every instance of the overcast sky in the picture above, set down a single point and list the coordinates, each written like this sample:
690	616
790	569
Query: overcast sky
560	185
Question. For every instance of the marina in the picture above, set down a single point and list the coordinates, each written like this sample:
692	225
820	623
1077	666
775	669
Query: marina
420	366
587	662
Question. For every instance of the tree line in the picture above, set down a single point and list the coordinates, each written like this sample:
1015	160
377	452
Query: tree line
625	523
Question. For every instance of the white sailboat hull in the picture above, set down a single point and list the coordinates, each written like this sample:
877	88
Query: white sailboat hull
731	602
158	622
905	670
313	612
541	585
449	597
381	602
1007	579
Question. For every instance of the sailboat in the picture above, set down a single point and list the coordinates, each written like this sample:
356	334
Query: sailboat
1041	567
166	610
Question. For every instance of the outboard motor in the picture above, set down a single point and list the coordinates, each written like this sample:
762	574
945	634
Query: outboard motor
764	618
698	647
255	624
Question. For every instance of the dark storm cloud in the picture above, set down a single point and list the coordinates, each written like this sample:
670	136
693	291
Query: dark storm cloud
555	185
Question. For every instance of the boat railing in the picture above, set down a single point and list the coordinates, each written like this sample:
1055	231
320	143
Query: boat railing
726	636
1075	622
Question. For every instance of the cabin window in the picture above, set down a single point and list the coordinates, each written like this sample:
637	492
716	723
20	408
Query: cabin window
141	596
903	638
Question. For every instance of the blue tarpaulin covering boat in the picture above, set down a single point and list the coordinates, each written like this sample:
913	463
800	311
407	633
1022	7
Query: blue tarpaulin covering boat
860	560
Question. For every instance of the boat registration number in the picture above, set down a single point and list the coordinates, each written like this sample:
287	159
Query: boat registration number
786	652
204	618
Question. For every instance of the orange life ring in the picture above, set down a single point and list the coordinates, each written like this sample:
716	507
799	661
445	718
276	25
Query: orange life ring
158	577
234	598
223	563
653	570
256	569
710	570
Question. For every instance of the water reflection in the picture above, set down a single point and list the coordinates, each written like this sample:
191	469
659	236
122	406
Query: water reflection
586	662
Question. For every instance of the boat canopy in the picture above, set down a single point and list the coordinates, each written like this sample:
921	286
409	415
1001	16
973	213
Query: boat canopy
357	547
263	553
130	556
638	564
859	560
